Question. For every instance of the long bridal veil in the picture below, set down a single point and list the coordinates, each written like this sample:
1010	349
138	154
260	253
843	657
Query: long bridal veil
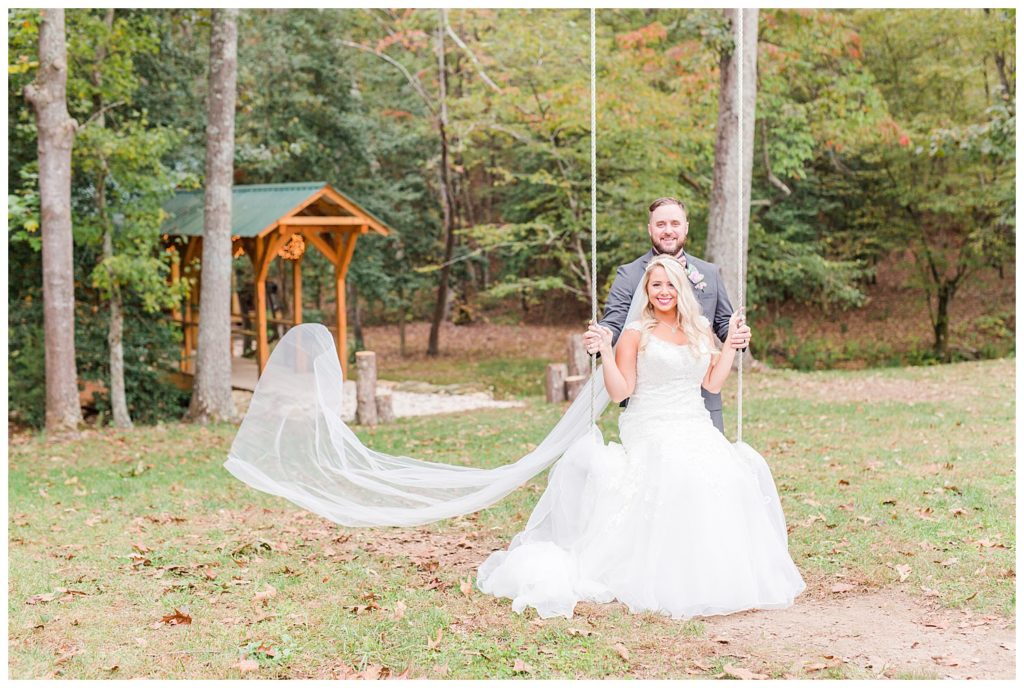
293	444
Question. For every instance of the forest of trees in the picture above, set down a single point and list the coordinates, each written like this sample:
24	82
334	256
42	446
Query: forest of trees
877	133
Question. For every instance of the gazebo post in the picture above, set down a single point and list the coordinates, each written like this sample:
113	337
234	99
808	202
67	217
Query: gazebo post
266	251
176	308
342	317
346	247
297	291
260	297
190	328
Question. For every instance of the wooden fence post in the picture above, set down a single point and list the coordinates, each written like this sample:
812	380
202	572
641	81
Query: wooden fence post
579	359
366	388
554	382
573	385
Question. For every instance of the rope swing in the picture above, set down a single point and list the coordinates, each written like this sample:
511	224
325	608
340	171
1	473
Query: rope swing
593	198
740	283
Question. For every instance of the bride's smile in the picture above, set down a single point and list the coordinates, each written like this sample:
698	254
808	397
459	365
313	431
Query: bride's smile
661	292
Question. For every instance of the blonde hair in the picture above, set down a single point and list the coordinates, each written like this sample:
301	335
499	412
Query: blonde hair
692	322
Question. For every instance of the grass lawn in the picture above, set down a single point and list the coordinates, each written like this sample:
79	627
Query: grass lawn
896	478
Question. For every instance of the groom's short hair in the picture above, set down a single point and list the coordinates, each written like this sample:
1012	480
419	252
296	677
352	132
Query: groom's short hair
668	200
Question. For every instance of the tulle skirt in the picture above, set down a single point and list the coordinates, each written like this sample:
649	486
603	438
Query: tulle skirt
679	522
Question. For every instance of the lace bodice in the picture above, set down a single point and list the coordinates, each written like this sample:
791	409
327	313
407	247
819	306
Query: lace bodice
668	379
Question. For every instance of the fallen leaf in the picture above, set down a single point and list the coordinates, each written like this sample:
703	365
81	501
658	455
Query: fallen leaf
1012	647
930	592
177	618
948	562
903	570
936	622
843	587
958	512
433	644
990	543
112	667
466	586
521	667
741	673
246	665
926	514
945	660
67	653
816	666
399	610
621	651
267	593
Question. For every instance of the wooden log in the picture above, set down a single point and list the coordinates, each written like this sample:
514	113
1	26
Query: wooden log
579	359
366	388
554	382
385	408
573	385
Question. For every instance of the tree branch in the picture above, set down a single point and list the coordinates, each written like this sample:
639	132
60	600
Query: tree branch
465	48
413	81
775	181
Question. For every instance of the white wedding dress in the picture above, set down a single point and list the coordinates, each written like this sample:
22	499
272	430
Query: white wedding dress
675	520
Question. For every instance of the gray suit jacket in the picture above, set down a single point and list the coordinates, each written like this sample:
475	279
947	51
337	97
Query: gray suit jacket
713	300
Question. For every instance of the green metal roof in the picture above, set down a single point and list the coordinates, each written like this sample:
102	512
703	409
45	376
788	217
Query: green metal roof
254	207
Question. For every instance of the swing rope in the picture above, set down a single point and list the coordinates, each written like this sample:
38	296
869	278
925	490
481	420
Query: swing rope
593	198
740	283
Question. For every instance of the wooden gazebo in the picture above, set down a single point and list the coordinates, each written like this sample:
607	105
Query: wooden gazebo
270	221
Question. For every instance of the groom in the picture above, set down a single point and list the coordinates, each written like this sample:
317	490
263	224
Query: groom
667	226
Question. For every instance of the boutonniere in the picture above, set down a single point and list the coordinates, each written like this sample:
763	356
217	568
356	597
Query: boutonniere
695	277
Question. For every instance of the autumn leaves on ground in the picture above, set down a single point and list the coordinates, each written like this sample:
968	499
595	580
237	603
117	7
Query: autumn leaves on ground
134	554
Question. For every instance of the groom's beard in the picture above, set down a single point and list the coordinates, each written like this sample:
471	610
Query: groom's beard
677	254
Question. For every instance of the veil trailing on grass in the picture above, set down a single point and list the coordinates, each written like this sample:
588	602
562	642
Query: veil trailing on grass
293	444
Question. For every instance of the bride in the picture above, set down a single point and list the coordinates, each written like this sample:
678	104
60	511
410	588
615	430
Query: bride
675	520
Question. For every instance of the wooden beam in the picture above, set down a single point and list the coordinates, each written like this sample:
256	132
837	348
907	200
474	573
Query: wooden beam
271	245
345	251
321	221
297	290
323	246
354	209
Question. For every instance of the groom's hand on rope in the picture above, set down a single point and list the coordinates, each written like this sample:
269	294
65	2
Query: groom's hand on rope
739	334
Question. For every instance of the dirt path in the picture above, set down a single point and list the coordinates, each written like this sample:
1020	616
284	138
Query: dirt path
863	633
877	634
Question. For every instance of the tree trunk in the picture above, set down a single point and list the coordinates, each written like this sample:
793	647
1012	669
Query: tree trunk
211	391
941	324
723	245
730	196
115	346
115	328
56	132
445	193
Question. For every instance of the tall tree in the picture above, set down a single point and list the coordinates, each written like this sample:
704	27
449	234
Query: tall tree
56	133
115	333
734	151
444	188
211	394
